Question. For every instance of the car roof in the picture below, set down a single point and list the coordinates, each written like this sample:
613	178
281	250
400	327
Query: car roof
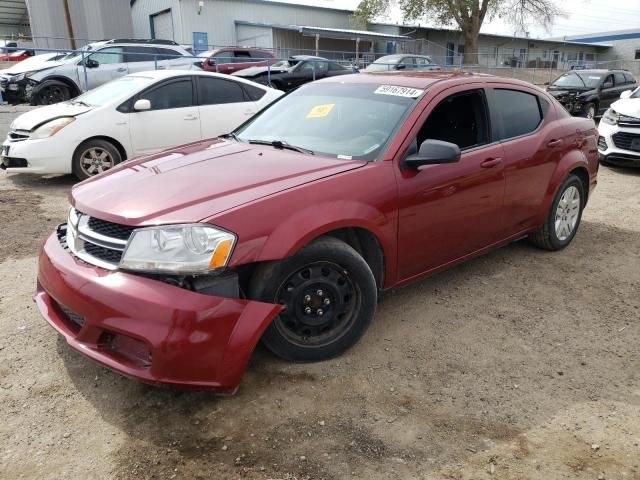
597	70
163	74
421	79
306	57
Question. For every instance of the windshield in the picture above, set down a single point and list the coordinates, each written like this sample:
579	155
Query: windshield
284	64
114	90
578	80
334	119
383	64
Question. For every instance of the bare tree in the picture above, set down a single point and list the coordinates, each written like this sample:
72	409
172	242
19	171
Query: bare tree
468	15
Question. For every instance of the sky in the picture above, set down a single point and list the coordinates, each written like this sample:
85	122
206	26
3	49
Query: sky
583	16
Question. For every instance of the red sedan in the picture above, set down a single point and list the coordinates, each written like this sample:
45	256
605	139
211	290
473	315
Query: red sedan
230	60
171	268
16	56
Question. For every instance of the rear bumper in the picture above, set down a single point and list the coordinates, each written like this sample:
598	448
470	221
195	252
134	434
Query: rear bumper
146	329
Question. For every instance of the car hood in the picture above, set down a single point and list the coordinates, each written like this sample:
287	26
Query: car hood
38	116
30	65
628	106
253	71
194	182
561	92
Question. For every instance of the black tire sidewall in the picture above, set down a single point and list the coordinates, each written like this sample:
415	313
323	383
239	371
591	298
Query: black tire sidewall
266	285
75	163
45	86
587	107
572	180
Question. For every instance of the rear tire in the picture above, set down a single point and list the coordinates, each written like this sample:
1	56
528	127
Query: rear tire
330	297
563	219
94	157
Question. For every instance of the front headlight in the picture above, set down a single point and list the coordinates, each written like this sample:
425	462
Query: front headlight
21	76
611	117
50	128
181	249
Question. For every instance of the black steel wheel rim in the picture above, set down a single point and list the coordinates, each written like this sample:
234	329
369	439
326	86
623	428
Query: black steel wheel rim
321	303
52	95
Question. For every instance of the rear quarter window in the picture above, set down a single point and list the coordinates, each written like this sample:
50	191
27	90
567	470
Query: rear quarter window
519	112
629	78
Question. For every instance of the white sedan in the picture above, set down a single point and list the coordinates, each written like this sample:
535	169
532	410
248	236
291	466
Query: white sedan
134	115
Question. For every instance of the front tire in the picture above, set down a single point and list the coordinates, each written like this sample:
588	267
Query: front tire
94	157
50	93
329	294
563	219
590	110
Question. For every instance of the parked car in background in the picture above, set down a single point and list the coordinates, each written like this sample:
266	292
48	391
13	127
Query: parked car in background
171	268
17	56
297	70
135	115
10	77
619	130
230	60
590	92
402	62
60	80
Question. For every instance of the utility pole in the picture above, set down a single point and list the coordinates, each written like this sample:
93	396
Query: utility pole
67	16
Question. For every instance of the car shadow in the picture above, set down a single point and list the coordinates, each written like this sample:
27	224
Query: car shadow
479	353
41	183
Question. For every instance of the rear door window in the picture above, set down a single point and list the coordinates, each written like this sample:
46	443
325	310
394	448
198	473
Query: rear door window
166	54
139	54
629	78
519	112
619	78
241	56
216	91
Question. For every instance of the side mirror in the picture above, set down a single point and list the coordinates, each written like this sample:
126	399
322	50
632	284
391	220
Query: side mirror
142	105
546	83
433	152
91	63
401	66
607	85
626	94
211	62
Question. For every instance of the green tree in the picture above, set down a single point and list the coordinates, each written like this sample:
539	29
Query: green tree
468	15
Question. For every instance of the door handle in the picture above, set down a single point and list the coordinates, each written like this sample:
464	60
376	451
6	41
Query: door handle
249	112
161	68
491	162
554	143
122	69
191	117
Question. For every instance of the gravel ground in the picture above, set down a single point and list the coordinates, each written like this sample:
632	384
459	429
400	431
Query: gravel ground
521	364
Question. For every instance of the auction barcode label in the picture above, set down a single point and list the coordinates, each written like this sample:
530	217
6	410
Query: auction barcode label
398	91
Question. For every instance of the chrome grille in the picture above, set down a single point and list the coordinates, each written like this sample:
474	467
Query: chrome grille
96	241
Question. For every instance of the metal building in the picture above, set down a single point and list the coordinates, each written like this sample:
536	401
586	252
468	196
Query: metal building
73	23
14	19
284	27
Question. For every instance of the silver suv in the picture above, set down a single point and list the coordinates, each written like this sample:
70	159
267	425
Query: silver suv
57	81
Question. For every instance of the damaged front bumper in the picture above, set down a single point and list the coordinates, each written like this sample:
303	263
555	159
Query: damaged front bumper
147	329
17	91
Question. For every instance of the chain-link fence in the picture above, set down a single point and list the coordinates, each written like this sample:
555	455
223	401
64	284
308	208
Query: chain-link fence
86	68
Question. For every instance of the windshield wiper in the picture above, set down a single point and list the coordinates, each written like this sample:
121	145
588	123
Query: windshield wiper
282	145
230	135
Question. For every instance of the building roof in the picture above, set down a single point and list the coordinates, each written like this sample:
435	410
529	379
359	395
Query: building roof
299	3
506	37
13	12
609	36
326	32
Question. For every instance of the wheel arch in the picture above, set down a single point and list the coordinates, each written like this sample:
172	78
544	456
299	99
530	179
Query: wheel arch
75	89
106	138
574	162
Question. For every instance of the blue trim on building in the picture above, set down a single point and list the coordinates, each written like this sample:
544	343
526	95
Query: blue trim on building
276	2
618	36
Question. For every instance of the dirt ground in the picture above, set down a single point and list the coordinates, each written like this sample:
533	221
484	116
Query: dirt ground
521	364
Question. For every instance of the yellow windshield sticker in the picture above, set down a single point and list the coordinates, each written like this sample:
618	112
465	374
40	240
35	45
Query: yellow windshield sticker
320	111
